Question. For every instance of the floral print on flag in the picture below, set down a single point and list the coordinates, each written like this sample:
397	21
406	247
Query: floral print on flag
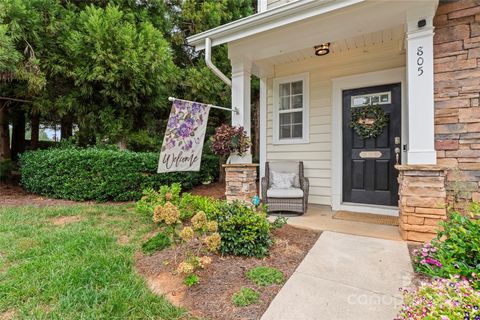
184	136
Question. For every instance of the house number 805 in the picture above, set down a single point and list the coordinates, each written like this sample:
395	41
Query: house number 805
420	60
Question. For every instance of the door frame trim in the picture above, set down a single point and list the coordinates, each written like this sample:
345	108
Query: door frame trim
370	79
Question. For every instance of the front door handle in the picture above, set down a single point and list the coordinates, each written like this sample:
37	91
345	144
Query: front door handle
397	155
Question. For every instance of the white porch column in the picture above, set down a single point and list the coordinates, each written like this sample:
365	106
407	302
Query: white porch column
241	75
263	127
421	139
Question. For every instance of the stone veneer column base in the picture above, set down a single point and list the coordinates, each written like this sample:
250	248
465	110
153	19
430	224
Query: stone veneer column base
241	181
423	200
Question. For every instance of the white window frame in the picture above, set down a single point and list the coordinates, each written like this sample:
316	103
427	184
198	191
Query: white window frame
304	77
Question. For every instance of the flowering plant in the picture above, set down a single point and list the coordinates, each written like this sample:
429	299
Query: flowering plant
444	299
228	140
424	258
455	250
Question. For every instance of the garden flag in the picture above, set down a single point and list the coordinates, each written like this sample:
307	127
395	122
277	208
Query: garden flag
183	141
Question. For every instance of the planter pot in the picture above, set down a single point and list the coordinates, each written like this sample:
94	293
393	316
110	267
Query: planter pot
234	158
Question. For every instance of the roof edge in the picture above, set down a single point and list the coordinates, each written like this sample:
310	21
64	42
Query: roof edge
267	20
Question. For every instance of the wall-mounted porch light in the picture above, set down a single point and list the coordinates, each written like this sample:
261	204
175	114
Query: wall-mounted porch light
322	49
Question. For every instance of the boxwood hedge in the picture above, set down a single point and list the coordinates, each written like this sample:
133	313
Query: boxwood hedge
102	174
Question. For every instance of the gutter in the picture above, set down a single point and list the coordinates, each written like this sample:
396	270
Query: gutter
211	66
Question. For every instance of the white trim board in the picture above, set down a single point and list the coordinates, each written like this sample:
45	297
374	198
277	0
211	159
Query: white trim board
397	75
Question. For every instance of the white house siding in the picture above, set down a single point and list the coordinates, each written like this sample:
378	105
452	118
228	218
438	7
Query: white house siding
316	154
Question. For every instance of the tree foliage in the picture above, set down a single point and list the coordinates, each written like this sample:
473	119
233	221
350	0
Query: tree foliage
108	66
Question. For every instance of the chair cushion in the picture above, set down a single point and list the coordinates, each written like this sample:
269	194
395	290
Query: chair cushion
282	180
286	166
285	193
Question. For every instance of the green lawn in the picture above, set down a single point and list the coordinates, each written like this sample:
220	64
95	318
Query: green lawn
77	270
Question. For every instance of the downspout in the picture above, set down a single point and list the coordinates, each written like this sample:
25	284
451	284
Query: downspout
208	61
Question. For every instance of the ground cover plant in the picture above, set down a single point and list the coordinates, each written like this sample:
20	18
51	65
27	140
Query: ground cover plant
265	276
102	174
75	262
156	243
245	297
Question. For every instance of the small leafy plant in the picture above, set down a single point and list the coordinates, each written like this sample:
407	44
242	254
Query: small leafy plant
279	222
191	280
444	299
157	243
265	276
245	297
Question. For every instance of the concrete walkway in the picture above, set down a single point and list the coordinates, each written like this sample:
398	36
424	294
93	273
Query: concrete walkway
345	277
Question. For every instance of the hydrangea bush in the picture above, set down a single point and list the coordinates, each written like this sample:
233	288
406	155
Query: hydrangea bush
202	234
443	299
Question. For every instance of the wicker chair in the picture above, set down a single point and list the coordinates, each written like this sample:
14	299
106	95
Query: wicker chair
293	199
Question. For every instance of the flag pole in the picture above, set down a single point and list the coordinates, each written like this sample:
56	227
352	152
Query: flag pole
210	105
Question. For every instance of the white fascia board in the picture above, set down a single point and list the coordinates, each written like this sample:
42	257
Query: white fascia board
270	19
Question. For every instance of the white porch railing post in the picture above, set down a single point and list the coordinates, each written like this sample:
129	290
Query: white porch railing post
241	92
421	134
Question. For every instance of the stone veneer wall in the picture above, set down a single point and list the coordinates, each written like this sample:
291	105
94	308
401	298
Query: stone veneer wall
457	86
422	200
240	182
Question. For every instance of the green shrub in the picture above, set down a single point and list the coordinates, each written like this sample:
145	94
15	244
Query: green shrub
102	174
245	297
456	249
265	276
244	231
157	243
445	299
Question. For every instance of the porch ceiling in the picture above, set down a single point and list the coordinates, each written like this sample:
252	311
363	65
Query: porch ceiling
363	43
356	23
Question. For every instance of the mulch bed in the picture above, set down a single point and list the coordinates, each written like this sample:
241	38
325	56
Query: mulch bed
215	190
211	298
13	195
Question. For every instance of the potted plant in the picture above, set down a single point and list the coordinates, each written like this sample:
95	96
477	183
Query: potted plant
231	143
